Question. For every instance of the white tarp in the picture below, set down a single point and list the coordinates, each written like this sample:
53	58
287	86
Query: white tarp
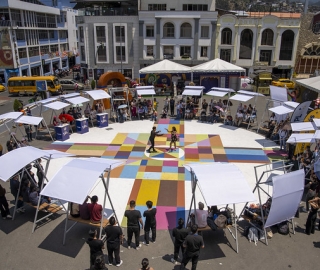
10	115
243	98
280	110
16	159
303	126
228	90
217	65
74	181
44	101
30	120
316	122
98	94
77	100
192	92
57	105
250	93
222	183
300	138
70	95
291	104
278	94
287	193
142	92
193	87
144	87
311	83
316	135
166	66
216	93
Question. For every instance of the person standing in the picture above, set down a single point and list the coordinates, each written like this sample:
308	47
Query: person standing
114	240
28	130
179	233
174	138
4	207
166	104
153	134
133	219
40	173
312	217
192	246
14	188
171	102
282	137
96	246
150	223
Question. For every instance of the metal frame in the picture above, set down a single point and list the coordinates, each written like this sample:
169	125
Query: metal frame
234	234
105	182
119	89
259	182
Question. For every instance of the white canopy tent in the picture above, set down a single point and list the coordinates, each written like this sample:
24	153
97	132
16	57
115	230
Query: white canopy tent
303	126
196	91
74	181
217	65
146	92
56	106
311	83
7	117
301	138
70	95
32	120
18	159
77	100
316	121
98	94
166	66
214	190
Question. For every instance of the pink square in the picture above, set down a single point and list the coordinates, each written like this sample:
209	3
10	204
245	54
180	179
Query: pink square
166	217
113	148
191	150
171	163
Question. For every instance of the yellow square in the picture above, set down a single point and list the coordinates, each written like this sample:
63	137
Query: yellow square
149	190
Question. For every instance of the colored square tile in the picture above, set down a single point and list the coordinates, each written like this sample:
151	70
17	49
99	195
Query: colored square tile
149	190
144	162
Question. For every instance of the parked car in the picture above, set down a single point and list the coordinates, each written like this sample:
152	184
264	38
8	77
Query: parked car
2	88
69	84
283	83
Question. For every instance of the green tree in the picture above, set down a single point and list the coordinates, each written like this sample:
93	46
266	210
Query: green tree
93	84
17	105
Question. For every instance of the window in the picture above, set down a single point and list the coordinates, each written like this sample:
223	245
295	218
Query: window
22	53
204	52
15	17
120	34
186	30
157	7
43	34
102	53
100	34
121	53
265	56
44	49
185	51
127	72
246	44
35	71
20	34
226	36
149	31
83	53
64	47
204	31
51	34
51	21
168	30
81	34
54	48
286	47
63	34
41	20
225	54
33	51
64	63
46	68
168	52
190	7
150	51
267	37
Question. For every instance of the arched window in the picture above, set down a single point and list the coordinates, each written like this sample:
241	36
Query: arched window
246	44
168	30
186	30
267	37
286	47
226	36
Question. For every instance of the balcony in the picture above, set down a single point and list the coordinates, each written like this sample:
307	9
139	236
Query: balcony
103	11
168	56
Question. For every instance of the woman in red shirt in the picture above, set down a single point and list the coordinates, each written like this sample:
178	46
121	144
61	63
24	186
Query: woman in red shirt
95	210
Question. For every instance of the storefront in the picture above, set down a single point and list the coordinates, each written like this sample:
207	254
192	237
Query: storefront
282	71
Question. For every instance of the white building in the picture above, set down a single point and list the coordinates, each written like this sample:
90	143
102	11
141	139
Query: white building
38	39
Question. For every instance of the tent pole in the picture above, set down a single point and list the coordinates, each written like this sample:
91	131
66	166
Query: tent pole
104	203
193	195
261	121
235	227
66	226
45	123
17	198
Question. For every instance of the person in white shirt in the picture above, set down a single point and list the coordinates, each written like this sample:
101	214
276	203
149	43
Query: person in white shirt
239	117
282	137
200	216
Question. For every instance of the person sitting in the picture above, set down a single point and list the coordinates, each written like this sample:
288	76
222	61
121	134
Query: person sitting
95	210
34	197
145	265
55	122
164	113
200	216
213	212
154	115
239	118
74	210
84	210
141	113
203	116
229	120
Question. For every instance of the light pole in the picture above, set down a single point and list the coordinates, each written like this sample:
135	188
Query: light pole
121	27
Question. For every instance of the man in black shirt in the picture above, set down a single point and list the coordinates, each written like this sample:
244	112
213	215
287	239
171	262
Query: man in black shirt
114	240
172	101
192	244
133	219
180	233
150	223
96	246
153	134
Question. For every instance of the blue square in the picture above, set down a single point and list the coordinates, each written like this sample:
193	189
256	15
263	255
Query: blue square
144	162
129	172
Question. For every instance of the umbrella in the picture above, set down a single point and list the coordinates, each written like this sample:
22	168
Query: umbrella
225	102
219	108
122	106
68	117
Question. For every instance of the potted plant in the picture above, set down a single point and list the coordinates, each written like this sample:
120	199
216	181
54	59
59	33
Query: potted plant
93	84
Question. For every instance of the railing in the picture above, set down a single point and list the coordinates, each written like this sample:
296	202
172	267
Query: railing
127	11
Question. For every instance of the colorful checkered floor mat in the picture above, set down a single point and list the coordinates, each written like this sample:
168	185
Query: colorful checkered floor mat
160	176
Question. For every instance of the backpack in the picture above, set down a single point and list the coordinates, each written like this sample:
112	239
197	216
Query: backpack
220	221
253	235
283	228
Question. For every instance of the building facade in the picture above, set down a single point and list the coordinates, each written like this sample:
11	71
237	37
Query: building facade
258	41
35	38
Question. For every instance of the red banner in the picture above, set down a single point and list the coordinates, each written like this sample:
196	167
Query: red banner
6	57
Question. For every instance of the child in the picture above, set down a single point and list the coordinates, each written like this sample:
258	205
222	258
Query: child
150	223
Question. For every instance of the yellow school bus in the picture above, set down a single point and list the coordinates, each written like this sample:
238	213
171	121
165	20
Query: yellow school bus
27	85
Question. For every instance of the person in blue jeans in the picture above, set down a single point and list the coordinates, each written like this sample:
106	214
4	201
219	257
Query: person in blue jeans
150	223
